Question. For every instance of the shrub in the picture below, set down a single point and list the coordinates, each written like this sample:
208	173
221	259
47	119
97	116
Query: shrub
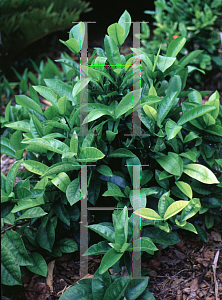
167	174
198	21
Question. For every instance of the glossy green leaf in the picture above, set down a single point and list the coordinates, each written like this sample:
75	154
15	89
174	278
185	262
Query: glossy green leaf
104	231
72	44
73	192
135	288
185	60
175	46
125	22
39	265
190	210
175	208
172	163
49	144
61	181
11	176
48	94
147	213
185	188
28	102
214	129
108	260
74	143
150	112
195	113
35	127
60	167
35	212
172	129
13	242
78	292
128	102
10	270
97	249
100	284
200	173
96	114
7	148
163	204
166	104
67	245
122	152
116	32
79	86
163	62
35	167
61	212
121	227
113	193
112	52
201	233
60	87
90	154
20	125
105	170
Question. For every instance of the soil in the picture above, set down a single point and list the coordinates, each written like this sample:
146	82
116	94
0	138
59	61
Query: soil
190	270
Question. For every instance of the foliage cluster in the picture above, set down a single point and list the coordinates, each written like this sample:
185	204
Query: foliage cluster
198	21
176	157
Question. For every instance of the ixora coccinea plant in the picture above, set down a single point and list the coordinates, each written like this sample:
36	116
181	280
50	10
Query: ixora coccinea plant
177	156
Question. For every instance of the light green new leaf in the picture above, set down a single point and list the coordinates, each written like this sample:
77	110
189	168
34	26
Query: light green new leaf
121	227
35	167
148	213
175	208
39	264
61	167
200	173
72	44
60	87
172	129
195	113
61	181
95	114
112	52
150	112
185	188
90	154
73	192
117	32
28	102
74	143
188	226
113	193
163	62
175	46
125	22
128	102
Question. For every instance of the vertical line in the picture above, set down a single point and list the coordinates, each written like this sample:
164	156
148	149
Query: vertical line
83	224
83	93
136	83
136	255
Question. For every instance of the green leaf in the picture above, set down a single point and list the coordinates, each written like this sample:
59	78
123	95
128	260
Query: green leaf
121	227
195	113
125	22
185	188
201	233
28	102
48	94
97	249
163	204
46	236
172	163
150	112
166	104
117	289
190	210
13	242
35	167
104	231
116	32
78	32
61	212
148	213
122	152
100	284
7	148
73	192
175	46
74	143
60	88
109	259
10	270
128	102
200	173
163	62
61	181
11	176
96	114
72	44
112	52
49	144
78	292
172	129
113	193
174	208
39	265
35	212
105	170
20	125
135	288
79	86
60	167
185	60
67	246
90	154
191	136
35	127
161	237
